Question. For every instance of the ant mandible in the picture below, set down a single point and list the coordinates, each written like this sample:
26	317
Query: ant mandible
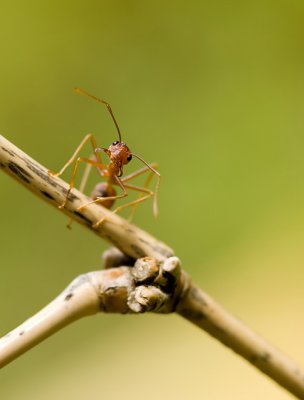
120	155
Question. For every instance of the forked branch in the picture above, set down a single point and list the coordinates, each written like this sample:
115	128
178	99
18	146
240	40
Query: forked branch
156	282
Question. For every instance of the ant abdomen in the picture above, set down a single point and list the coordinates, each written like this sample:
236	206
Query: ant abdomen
103	189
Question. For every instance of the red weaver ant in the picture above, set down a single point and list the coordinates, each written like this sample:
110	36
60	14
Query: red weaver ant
120	155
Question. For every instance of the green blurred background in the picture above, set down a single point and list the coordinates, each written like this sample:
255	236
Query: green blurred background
214	92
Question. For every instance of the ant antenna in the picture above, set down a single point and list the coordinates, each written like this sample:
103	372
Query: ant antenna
149	166
84	93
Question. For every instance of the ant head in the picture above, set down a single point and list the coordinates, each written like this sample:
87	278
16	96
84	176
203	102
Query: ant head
119	153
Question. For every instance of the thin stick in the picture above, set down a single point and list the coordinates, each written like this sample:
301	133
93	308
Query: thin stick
163	294
130	239
199	308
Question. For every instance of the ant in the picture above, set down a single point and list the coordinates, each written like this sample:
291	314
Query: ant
119	155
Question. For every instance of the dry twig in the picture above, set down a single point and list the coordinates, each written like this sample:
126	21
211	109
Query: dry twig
155	283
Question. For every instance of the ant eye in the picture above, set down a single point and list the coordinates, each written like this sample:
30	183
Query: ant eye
129	158
115	143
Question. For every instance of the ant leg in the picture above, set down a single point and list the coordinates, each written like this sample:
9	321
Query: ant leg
134	207
72	182
147	182
89	137
145	194
139	172
86	174
155	201
83	182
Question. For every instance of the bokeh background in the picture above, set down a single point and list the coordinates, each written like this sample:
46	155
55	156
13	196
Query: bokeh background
214	92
